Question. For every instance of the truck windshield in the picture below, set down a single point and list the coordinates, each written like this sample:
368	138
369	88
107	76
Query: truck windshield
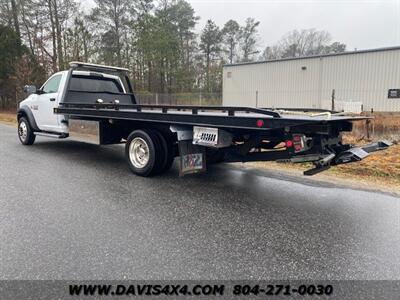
95	84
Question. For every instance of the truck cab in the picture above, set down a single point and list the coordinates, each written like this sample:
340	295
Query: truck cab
38	108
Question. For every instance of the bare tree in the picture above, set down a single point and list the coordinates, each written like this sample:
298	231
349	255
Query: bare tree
271	53
112	17
6	13
249	39
305	42
231	33
211	47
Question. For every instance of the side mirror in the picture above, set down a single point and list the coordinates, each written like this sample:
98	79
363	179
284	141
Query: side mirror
30	89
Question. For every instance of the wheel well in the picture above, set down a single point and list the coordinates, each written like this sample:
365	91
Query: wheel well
26	113
21	114
127	127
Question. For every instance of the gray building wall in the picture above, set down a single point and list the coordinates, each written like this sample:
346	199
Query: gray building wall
364	76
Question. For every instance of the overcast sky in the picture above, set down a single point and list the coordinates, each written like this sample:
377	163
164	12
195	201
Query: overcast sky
361	24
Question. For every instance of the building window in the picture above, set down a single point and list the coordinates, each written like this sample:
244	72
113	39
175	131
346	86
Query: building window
229	74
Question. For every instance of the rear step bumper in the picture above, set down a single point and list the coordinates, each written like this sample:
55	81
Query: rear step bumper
348	156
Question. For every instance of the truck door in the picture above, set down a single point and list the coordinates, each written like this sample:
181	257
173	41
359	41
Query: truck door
46	101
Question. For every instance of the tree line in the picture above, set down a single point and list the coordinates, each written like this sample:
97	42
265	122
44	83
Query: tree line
157	40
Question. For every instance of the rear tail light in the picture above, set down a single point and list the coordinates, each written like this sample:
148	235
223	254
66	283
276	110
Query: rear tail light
297	138
289	144
298	148
298	142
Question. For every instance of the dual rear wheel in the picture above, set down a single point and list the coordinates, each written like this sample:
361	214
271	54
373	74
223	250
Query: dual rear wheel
149	152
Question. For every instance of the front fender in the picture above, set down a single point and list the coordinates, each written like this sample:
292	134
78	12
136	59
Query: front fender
26	111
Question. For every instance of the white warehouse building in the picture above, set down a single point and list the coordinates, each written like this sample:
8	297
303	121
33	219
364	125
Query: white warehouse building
368	78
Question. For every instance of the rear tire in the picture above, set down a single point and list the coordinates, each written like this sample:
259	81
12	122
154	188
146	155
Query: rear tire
144	152
168	152
25	132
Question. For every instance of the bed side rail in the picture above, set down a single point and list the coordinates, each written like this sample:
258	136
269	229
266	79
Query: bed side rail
229	110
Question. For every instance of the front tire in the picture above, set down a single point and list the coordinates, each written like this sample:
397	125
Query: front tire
25	132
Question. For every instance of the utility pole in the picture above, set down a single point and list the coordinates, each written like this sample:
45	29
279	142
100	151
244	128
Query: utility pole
256	99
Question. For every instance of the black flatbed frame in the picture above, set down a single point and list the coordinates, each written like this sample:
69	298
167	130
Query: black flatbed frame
209	116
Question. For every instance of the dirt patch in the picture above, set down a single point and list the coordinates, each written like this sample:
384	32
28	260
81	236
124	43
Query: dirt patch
384	125
379	171
353	176
8	118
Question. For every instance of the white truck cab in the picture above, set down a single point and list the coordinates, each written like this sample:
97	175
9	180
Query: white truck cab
39	105
43	101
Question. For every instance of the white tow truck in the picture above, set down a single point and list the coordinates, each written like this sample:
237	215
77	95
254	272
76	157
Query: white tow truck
96	104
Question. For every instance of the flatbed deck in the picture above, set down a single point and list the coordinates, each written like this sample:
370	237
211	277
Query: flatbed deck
226	117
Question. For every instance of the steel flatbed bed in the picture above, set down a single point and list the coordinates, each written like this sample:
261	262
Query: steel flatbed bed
211	116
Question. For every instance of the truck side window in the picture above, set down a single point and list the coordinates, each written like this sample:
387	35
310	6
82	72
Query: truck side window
52	85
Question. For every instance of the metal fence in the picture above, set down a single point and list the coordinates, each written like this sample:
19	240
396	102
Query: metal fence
203	99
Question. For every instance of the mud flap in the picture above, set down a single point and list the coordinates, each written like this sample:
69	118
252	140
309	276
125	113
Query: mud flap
192	158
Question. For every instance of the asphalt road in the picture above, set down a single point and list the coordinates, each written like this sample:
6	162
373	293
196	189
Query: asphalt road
74	211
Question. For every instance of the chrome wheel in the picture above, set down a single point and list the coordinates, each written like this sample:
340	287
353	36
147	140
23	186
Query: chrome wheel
139	153
22	130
